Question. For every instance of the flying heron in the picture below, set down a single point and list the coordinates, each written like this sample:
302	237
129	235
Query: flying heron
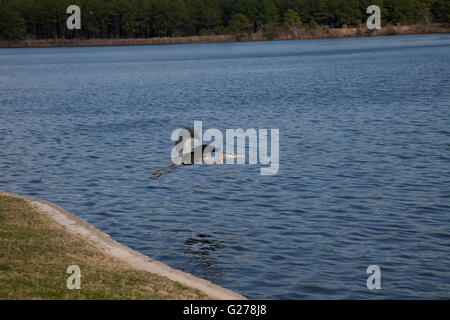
191	151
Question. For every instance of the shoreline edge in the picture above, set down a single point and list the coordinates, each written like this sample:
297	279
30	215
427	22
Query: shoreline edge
114	248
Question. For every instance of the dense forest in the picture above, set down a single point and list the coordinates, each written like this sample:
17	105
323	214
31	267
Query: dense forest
46	19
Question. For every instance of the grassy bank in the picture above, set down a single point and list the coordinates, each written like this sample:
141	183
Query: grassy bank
35	252
323	32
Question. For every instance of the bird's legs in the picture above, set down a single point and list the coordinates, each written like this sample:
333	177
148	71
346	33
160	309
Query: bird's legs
158	173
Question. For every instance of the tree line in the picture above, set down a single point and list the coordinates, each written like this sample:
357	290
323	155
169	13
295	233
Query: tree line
46	19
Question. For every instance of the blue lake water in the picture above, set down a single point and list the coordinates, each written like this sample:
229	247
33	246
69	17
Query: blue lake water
364	174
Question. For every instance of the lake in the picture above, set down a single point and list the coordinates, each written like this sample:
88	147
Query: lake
364	176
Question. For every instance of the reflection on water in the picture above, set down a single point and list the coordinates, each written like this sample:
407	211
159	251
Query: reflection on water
364	157
202	247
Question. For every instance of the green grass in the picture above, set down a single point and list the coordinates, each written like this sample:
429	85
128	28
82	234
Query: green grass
35	252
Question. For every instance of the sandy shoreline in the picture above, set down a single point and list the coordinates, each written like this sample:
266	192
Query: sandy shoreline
122	252
300	34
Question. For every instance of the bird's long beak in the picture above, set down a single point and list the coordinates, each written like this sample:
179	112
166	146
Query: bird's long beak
226	155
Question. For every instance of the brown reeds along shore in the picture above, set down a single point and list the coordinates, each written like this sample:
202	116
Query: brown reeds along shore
322	32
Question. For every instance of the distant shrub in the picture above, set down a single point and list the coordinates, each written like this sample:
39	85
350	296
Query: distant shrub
390	31
203	32
313	24
272	31
240	25
220	30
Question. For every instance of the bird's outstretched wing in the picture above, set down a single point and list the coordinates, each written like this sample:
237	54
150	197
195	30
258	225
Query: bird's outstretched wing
187	141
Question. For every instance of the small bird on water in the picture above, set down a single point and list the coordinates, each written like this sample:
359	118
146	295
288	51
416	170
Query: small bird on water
191	151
